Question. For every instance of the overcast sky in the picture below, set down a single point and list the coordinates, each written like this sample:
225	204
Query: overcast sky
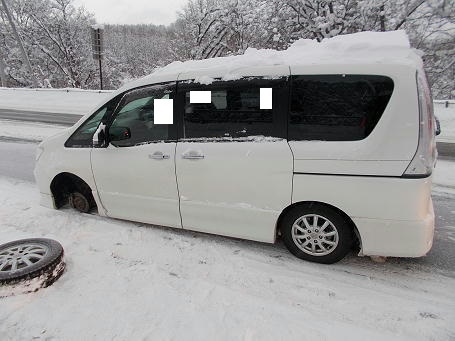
158	12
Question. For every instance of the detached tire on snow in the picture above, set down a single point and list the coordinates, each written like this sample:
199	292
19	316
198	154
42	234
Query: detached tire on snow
26	259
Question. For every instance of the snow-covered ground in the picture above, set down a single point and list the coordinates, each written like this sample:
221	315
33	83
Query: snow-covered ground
444	177
68	101
446	115
132	281
28	130
126	280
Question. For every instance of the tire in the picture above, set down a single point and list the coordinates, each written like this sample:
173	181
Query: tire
79	202
307	241
45	257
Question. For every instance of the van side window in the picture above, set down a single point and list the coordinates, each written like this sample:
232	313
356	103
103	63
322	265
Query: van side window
234	111
136	111
83	136
337	107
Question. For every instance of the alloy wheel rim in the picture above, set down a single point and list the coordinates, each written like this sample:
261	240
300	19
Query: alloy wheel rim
22	256
315	235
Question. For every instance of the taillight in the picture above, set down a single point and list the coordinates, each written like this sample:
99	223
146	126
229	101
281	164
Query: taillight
424	159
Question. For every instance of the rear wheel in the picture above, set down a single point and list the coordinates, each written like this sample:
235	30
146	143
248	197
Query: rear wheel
316	233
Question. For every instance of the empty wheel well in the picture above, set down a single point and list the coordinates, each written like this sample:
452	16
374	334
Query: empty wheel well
64	184
347	219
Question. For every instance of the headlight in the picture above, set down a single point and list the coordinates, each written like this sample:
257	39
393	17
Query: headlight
39	151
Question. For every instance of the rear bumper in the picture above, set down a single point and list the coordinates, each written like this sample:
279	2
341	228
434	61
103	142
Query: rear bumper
397	238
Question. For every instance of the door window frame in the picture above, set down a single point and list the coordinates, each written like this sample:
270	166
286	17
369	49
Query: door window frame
172	137
280	102
69	143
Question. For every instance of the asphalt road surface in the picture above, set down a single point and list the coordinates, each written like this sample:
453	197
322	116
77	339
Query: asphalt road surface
446	150
18	160
43	117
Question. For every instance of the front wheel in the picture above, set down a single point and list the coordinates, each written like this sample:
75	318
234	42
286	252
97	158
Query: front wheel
79	202
316	233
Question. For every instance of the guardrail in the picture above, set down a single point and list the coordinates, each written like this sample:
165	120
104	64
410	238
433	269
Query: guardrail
446	103
58	90
67	100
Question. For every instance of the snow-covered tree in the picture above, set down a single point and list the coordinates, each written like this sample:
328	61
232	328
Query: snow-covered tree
56	36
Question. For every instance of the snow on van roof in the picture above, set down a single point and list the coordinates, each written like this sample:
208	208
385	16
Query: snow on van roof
362	47
357	48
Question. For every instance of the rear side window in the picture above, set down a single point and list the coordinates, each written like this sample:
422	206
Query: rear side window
337	107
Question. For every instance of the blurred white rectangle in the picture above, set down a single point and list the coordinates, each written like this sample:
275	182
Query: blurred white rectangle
266	98
163	111
200	97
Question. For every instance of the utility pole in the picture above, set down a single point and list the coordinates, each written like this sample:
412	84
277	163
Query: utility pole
382	17
98	48
2	72
101	73
25	59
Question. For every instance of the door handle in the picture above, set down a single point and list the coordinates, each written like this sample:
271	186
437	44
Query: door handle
158	156
193	155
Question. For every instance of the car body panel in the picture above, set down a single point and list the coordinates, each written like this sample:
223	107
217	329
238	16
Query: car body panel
134	185
228	191
393	216
390	146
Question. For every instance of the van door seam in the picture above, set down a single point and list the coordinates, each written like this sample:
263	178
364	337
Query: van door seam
177	183
94	181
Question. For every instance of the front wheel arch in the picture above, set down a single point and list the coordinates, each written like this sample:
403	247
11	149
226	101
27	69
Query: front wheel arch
64	184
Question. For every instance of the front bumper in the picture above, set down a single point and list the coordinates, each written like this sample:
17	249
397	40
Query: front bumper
47	200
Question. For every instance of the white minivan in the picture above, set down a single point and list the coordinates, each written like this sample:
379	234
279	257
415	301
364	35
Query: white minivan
341	159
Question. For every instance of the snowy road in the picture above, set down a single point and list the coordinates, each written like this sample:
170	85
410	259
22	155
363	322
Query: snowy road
36	116
131	281
17	160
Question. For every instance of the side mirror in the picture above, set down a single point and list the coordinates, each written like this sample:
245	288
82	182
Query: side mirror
438	126
99	136
119	133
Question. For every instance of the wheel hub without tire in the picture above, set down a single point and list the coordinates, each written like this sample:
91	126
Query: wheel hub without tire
315	235
79	202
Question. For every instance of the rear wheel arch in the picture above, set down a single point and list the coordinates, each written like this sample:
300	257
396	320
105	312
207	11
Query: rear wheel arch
347	218
64	184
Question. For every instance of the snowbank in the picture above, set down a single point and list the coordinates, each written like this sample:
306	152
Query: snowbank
69	101
446	116
128	281
444	177
28	130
